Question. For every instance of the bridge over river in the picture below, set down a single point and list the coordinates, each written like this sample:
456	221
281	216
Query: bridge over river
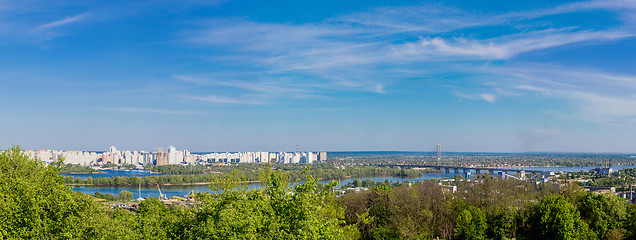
456	169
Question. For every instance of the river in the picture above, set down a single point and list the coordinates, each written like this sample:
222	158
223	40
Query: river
182	190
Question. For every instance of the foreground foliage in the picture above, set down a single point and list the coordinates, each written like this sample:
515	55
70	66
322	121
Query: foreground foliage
35	204
489	209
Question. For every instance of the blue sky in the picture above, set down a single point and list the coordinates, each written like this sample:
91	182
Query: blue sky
504	76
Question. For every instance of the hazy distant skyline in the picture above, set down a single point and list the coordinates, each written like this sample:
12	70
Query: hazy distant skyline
486	76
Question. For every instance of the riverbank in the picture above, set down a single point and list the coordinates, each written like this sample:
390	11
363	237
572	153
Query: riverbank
146	185
81	172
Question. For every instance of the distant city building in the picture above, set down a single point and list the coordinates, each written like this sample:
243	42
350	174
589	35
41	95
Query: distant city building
322	156
264	157
162	158
605	170
296	158
309	158
172	156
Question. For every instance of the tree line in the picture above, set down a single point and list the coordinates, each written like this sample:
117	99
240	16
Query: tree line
123	195
76	168
250	171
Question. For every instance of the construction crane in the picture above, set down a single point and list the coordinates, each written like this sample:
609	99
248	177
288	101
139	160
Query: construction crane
180	198
191	195
161	196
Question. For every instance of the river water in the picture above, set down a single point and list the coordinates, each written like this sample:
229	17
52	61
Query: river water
182	190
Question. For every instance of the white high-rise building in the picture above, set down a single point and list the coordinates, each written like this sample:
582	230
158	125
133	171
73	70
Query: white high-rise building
247	157
264	157
116	158
148	158
172	155
179	157
309	158
296	158
127	158
273	157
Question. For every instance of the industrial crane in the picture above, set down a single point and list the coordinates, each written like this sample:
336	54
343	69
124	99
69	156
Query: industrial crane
191	195
161	196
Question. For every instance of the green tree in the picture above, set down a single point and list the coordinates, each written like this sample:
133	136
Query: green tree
35	204
556	218
125	195
629	223
502	222
154	220
278	211
120	224
470	224
357	183
109	197
368	183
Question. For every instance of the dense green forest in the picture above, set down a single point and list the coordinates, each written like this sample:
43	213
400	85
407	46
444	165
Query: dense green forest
71	168
35	204
489	209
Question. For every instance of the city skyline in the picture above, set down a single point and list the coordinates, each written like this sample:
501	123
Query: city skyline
498	76
171	156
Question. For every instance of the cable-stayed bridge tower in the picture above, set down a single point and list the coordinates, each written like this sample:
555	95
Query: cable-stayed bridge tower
439	152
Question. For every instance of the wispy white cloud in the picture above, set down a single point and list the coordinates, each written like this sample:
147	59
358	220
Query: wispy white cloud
148	110
548	78
507	92
491	98
335	49
266	37
225	100
532	88
604	98
488	97
369	51
504	47
61	22
379	88
607	108
429	19
436	18
268	87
